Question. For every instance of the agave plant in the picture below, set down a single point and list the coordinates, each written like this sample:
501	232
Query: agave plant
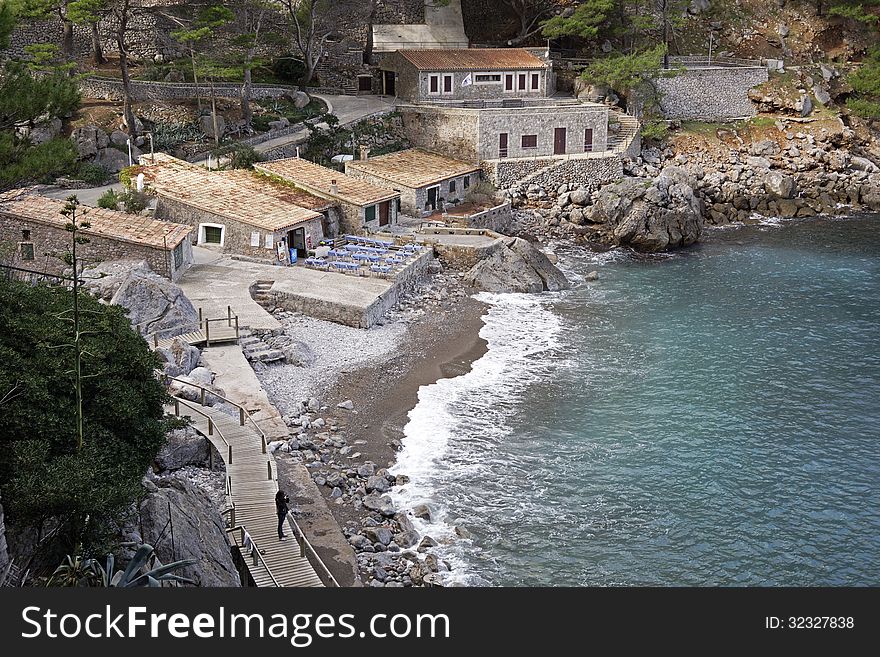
76	571
136	573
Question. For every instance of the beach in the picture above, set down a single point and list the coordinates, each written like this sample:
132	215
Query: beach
431	335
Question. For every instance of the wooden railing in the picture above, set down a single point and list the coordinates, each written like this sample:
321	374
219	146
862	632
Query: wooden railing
255	552
306	550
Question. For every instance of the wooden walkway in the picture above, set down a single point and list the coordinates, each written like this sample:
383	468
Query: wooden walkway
252	482
198	338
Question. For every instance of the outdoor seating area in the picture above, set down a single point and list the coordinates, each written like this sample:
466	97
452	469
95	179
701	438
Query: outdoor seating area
365	256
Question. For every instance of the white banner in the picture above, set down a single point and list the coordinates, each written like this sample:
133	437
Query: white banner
467	81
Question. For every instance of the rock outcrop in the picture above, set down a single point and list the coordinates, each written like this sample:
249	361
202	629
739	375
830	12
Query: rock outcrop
650	216
199	532
156	306
184	447
94	144
180	357
516	266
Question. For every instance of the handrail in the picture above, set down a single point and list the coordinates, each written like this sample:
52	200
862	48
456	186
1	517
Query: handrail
211	426
312	556
255	553
243	414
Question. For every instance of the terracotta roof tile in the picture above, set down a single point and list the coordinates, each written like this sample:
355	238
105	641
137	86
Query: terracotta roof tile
412	168
472	59
240	195
316	179
121	226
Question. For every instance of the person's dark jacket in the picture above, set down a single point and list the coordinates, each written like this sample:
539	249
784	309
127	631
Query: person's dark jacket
281	503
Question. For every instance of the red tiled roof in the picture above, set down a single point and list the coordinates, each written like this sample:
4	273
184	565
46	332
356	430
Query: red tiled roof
240	195
472	59
121	226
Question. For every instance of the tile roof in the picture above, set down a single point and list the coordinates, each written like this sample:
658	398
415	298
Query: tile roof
239	195
412	168
317	179
472	59
120	226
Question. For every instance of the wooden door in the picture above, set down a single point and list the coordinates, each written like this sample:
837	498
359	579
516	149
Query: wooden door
588	140
389	83
432	197
384	213
559	139
502	145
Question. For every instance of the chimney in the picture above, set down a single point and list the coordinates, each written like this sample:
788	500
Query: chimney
365	152
334	188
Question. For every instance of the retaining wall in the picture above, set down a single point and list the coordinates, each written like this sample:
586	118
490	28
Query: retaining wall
710	94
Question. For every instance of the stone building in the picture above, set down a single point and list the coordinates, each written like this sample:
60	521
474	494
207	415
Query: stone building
425	180
440	75
35	227
239	211
543	130
361	204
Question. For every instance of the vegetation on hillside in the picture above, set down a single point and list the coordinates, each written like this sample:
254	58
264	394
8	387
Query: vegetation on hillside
44	470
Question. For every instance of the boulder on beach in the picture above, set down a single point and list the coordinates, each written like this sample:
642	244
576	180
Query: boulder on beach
516	266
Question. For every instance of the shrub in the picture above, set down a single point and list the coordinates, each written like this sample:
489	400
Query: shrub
481	192
168	136
109	200
241	156
654	129
21	163
134	201
94	174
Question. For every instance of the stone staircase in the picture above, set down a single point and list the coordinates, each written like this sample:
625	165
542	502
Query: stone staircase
629	128
255	350
261	293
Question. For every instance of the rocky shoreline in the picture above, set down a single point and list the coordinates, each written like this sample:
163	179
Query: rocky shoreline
347	430
713	175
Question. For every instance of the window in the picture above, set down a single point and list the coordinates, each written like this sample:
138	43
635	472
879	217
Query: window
434	84
211	234
487	78
530	141
451	186
370	213
508	82
25	236
522	81
365	83
26	249
536	81
178	256
467	182
447	84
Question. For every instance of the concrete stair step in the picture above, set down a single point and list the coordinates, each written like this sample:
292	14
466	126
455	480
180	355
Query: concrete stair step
265	356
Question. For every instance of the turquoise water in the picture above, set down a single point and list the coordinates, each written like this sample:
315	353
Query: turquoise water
706	418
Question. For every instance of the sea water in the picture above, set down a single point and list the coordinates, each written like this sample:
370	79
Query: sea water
710	417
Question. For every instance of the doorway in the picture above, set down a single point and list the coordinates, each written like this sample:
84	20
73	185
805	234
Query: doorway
388	83
365	84
384	213
433	196
502	145
296	238
559	139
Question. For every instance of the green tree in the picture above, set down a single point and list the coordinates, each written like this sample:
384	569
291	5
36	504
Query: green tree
584	22
26	96
313	23
49	9
90	12
857	10
44	472
8	20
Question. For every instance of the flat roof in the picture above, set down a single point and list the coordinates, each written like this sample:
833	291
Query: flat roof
472	59
317	179
240	195
413	168
120	226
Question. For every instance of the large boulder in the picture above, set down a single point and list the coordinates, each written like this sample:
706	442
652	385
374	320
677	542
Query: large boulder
206	125
116	159
650	216
42	131
780	184
180	357
156	306
516	266
870	192
104	279
89	140
184	447
199	531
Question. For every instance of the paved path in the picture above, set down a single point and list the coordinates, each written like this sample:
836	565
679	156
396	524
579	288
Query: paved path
348	109
252	477
88	196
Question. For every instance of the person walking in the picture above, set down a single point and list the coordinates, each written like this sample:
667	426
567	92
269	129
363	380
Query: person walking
282	502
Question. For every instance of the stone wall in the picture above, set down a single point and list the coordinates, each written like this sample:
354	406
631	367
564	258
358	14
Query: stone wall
111	89
541	121
453	132
236	235
399	12
49	239
495	219
588	172
149	37
710	94
410	278
459	257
